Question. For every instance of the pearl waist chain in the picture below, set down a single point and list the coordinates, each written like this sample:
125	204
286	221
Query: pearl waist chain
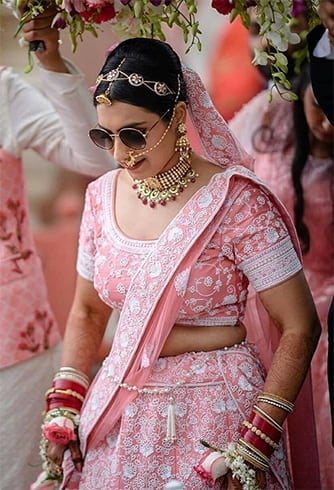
169	389
163	389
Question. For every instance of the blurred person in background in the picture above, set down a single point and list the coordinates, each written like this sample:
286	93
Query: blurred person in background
293	143
321	49
232	78
30	335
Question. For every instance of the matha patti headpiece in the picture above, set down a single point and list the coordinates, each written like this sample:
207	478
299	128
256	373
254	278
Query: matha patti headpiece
134	79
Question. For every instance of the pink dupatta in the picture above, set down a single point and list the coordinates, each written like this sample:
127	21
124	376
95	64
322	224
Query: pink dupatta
144	325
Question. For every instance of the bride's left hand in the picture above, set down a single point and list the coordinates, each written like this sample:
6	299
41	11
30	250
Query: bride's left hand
230	483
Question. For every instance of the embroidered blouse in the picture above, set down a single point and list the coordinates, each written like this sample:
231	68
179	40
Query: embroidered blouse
252	245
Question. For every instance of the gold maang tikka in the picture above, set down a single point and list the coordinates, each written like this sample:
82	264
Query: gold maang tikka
168	185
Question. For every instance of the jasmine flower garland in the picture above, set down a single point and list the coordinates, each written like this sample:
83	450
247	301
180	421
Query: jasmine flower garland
215	463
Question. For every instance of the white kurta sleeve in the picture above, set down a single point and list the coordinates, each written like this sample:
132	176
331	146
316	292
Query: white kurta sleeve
33	123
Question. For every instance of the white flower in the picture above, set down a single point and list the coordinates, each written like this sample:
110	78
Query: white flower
43	483
211	466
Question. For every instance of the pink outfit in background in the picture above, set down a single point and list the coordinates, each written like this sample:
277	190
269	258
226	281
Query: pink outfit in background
27	324
274	168
30	340
197	272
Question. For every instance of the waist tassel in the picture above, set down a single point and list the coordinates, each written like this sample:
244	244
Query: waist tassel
171	428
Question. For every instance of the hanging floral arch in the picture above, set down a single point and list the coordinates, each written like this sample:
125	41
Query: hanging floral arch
151	18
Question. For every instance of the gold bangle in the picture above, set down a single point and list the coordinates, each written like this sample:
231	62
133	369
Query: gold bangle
267	417
252	457
75	371
274	403
71	393
72	377
272	396
252	448
65	392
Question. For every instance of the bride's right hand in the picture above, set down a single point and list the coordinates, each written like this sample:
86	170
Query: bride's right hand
56	454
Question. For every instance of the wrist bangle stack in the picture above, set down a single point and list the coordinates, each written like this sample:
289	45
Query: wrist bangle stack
68	390
276	401
62	413
260	436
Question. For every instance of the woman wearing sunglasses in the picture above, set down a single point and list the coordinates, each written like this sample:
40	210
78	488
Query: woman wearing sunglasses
173	239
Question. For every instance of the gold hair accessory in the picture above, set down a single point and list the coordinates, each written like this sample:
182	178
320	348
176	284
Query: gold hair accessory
103	99
134	79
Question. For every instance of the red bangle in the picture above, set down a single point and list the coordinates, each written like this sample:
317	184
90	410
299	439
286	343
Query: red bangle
54	401
264	426
257	442
63	396
63	384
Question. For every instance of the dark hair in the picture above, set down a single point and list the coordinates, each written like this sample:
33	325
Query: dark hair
302	151
153	59
268	138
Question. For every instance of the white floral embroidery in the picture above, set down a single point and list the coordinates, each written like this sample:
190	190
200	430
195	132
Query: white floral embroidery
145	361
181	281
203	302
274	265
155	270
120	288
175	235
271	235
134	305
208	281
244	384
238	217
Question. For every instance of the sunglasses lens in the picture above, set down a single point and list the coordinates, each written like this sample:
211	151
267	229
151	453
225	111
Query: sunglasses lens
133	138
101	138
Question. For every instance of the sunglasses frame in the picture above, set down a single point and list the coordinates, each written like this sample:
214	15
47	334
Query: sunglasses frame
112	136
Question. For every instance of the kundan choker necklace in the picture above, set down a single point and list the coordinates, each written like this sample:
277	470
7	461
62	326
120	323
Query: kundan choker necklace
165	186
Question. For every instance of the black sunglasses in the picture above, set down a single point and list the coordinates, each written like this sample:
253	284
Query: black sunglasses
132	137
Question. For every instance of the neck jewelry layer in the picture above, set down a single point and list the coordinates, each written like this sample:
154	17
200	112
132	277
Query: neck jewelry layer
165	186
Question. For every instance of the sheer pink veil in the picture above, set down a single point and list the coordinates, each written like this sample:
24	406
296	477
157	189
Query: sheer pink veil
217	140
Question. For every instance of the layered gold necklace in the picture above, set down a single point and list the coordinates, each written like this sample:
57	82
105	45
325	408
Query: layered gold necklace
165	186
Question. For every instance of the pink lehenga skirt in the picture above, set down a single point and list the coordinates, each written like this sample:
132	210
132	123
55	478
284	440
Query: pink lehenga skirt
194	396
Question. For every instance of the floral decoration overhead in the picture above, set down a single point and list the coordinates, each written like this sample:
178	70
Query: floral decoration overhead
150	18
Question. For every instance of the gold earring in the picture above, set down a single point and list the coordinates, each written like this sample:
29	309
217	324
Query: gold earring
182	144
